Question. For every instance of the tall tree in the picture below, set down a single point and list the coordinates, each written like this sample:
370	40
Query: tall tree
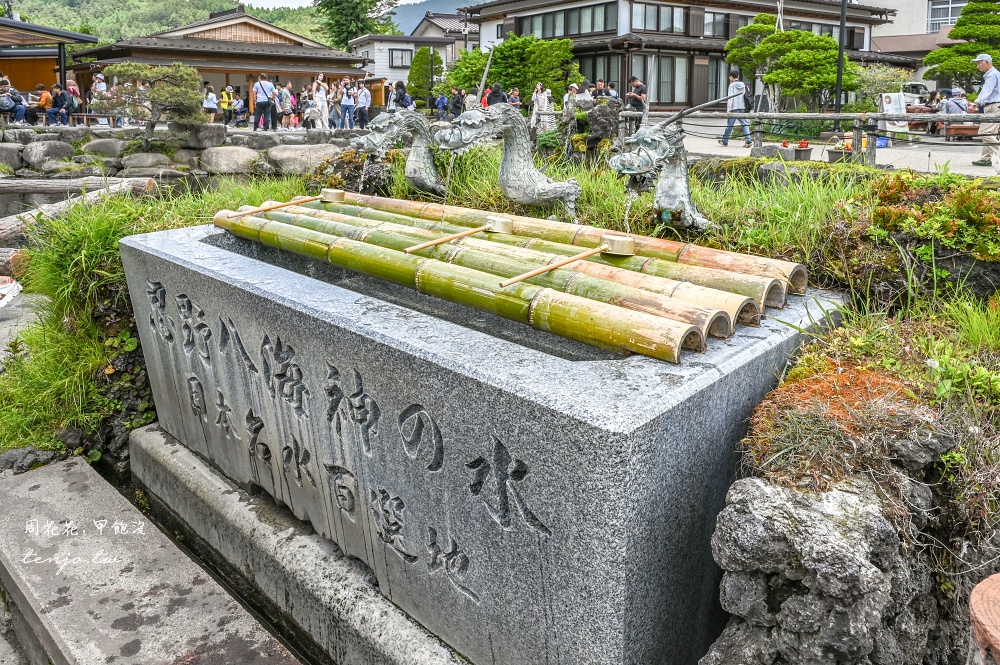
979	28
419	83
739	49
343	20
803	67
520	62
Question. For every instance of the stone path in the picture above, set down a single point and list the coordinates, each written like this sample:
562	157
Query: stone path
930	154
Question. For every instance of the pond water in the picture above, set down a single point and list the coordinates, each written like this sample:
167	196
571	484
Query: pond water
12	203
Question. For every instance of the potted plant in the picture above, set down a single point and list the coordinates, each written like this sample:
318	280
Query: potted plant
840	152
803	153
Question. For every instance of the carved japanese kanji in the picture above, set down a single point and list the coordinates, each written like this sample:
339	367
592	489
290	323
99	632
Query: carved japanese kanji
506	471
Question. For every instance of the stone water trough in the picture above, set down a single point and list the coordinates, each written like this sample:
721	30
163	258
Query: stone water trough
526	498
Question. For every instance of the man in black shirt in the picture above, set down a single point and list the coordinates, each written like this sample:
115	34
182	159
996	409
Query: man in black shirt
637	97
600	90
496	96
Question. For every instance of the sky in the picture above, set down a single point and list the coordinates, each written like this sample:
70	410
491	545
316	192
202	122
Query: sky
271	4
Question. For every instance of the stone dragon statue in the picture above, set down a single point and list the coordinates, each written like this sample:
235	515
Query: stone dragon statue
658	154
388	130
520	181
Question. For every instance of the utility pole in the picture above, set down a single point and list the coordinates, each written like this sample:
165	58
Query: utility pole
840	63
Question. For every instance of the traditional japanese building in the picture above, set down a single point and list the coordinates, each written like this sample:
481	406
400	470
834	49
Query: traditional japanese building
229	48
677	48
31	54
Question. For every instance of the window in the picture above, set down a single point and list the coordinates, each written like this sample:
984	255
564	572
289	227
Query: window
605	67
742	21
943	12
499	30
800	25
571	22
400	57
657	18
665	76
828	30
718	78
715	24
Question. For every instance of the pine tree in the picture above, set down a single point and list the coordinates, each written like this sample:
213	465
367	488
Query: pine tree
419	82
343	20
739	49
979	28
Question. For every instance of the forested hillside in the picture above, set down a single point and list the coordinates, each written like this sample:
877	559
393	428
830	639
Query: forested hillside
111	20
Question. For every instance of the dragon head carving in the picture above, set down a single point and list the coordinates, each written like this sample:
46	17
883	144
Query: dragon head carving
388	130
652	146
478	126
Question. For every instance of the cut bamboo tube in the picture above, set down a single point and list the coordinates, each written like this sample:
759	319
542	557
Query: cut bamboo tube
739	308
769	292
709	321
447	238
588	236
566	315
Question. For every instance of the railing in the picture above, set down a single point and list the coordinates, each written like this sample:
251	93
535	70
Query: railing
861	124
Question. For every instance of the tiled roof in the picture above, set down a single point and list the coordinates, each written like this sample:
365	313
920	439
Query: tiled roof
219	46
452	22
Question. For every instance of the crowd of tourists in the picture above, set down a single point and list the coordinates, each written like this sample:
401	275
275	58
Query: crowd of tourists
323	103
55	103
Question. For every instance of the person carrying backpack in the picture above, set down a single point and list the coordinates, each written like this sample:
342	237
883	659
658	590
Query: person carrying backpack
455	105
11	102
736	103
226	104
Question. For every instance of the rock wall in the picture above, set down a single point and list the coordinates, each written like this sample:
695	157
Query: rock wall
183	150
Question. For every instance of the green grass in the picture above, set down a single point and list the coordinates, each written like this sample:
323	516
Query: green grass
791	221
55	377
977	324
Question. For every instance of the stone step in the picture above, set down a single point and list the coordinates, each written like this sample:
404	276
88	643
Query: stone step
94	582
295	573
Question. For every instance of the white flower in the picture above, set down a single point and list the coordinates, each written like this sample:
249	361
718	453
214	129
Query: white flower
974	430
933	364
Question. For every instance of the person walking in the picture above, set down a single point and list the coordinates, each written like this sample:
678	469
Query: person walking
319	95
210	104
441	103
514	99
736	105
455	105
226	104
285	106
263	96
989	102
364	102
347	104
541	102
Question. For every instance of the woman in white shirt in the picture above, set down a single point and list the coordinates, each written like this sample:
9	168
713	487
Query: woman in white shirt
541	101
210	104
319	90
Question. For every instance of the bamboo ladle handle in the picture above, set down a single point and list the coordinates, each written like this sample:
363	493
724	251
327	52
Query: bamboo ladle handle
294	202
552	266
444	239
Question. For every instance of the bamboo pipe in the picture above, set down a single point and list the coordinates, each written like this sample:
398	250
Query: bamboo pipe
768	292
447	238
795	274
274	206
709	321
738	307
573	317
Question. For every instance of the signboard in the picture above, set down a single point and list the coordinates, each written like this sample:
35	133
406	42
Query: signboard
894	102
